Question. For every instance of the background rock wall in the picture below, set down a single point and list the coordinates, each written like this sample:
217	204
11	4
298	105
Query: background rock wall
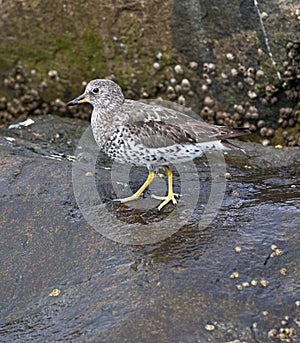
210	55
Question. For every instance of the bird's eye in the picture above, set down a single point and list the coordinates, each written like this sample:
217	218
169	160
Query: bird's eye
95	90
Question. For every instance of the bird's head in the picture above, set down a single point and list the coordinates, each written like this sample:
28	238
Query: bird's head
102	94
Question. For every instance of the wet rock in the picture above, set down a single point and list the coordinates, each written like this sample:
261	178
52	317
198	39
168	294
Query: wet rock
61	278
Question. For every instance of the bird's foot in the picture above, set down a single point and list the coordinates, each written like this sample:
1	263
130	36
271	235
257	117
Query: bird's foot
166	199
140	191
127	199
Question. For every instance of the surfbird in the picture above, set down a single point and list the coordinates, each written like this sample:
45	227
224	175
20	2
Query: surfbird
139	134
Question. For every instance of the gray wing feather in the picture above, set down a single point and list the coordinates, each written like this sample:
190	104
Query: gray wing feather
156	126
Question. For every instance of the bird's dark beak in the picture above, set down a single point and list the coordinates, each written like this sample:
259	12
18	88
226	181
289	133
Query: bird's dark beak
79	100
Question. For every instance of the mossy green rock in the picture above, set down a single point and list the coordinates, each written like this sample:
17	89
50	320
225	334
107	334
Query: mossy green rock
139	43
84	40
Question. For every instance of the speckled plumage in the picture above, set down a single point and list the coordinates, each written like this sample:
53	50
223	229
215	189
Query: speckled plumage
144	135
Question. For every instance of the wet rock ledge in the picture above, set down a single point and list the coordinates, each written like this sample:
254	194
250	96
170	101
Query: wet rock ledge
234	281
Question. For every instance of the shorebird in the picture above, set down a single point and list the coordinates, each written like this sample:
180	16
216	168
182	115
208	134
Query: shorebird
139	134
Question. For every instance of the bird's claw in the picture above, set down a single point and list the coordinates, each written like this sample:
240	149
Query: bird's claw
166	199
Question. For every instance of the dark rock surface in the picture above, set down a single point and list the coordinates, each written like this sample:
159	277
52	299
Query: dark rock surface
63	281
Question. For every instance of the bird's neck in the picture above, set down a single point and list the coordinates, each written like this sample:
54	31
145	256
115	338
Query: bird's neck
111	115
104	123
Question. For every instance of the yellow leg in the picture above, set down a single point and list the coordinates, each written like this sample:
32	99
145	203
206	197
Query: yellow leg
140	191
171	195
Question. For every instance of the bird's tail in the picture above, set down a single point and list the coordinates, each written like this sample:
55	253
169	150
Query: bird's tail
231	146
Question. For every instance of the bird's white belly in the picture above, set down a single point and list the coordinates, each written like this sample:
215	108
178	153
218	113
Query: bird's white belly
177	153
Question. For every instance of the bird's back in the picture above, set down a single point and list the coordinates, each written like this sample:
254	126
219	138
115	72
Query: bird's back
157	126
